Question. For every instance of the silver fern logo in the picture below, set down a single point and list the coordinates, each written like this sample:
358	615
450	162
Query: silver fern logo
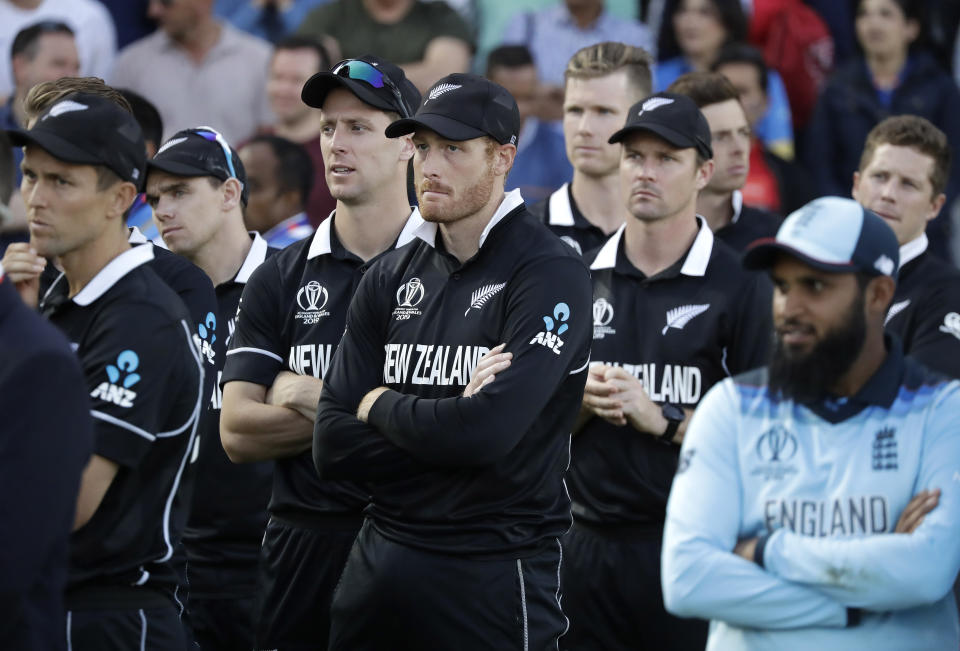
480	296
896	309
681	316
653	104
440	89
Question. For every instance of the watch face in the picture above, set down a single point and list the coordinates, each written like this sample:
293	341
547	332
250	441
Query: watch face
672	412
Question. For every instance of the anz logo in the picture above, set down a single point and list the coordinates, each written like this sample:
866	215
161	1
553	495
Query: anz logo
555	326
205	337
121	378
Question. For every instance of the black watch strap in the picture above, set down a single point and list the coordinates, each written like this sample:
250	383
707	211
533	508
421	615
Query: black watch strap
674	415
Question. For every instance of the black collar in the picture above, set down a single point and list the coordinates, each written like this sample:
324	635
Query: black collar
880	390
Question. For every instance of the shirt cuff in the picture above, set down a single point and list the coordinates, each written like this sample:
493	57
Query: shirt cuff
760	548
382	408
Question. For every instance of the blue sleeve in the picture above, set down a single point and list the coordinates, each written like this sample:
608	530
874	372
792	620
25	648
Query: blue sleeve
701	576
775	128
490	423
890	571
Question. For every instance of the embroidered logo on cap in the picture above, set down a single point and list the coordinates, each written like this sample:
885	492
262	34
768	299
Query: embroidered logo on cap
170	143
654	103
66	106
440	89
884	265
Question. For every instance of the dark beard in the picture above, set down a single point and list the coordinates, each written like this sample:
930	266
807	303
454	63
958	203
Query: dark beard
807	378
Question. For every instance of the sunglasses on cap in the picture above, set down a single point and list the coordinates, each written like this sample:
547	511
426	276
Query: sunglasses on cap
213	135
363	71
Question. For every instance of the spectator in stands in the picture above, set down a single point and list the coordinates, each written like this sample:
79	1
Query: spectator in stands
6	191
891	78
428	40
541	164
698	29
721	202
90	21
279	176
557	32
294	61
271	20
198	70
147	116
774	184
40	52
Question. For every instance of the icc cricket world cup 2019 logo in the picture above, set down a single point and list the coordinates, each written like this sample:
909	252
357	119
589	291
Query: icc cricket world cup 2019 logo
409	296
312	298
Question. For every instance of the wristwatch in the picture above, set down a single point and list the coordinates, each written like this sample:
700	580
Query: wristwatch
674	415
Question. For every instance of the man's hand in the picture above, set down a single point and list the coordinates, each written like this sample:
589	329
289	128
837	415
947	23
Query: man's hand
366	404
921	504
23	266
746	548
493	362
597	396
638	410
298	392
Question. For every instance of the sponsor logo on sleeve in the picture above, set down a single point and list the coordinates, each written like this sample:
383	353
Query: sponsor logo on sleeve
312	299
554	326
205	336
951	324
120	378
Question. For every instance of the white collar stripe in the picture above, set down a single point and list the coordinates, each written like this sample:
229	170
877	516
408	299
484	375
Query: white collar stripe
114	270
913	249
510	202
321	239
255	257
695	265
607	256
561	213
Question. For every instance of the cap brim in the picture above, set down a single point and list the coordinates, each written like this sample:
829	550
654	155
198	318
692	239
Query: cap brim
317	88
54	145
178	168
442	125
763	253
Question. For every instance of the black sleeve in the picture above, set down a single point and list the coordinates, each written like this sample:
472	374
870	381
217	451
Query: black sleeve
343	446
936	338
43	450
256	352
752	332
129	371
194	288
548	329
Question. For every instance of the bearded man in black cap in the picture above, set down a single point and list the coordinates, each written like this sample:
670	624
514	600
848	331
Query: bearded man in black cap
672	315
460	547
83	163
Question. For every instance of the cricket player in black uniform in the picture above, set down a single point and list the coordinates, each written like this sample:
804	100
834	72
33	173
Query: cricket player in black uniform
673	314
601	82
290	321
902	176
196	186
83	161
460	548
721	202
47	438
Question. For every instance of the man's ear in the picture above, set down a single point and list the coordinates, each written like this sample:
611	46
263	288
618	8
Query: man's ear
704	174
503	157
407	148
232	191
121	198
879	294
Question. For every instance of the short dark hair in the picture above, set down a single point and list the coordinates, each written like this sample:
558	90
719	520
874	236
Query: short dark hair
508	56
106	177
294	166
298	42
146	114
27	40
917	133
743	53
912	9
729	12
704	88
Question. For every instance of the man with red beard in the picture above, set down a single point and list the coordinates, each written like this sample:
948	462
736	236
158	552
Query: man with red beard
460	547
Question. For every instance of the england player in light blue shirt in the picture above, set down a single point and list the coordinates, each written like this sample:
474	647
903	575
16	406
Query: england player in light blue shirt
817	501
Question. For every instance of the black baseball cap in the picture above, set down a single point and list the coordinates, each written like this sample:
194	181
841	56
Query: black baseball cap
464	107
373	80
673	117
86	129
200	151
835	235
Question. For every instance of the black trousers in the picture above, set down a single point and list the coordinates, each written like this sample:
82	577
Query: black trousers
150	629
612	594
299	569
393	597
